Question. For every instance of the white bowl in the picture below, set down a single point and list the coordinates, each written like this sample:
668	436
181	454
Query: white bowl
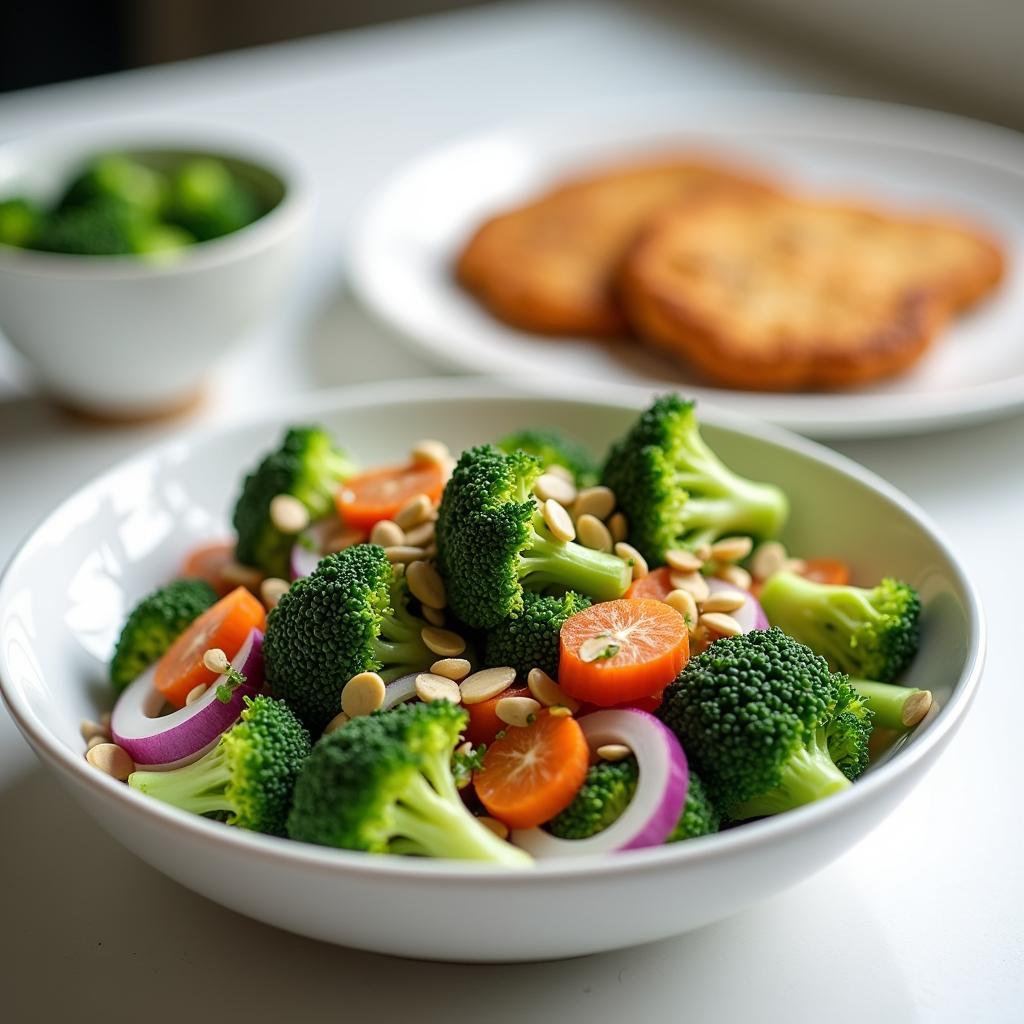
65	592
124	337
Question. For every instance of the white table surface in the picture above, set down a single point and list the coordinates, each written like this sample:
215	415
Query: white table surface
920	922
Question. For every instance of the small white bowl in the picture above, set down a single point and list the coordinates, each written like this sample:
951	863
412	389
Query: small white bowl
64	595
125	337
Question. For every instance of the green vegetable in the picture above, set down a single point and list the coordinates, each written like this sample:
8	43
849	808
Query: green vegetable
248	776
349	616
676	493
20	221
554	448
765	724
118	181
154	624
605	794
383	783
894	707
492	542
867	633
308	466
208	201
101	229
529	639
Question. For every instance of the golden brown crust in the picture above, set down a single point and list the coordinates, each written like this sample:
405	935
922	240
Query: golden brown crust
549	266
775	293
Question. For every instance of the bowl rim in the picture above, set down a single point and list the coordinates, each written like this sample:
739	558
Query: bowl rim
304	856
170	136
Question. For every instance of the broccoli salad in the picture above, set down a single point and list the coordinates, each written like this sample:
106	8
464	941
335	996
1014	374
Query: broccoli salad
515	654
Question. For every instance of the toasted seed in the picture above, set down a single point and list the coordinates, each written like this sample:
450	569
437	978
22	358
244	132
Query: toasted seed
362	694
518	711
731	549
720	623
272	589
336	722
435	616
613	752
595	501
598	648
486	683
548	692
431	687
442	642
916	706
422	535
703	551
700	638
111	759
499	828
95	741
682	560
547	485
413	512
195	693
628	553
735	575
558	520
288	514
89	729
683	602
426	584
618	527
216	661
797	565
694	582
767	559
560	711
451	668
464	749
239	575
592	533
724	601
387	534
563	472
105	719
430	450
404	553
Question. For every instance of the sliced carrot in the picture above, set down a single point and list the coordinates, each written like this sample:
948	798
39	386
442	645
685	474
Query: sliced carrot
657	585
531	773
827	570
620	651
208	562
225	625
484	723
370	497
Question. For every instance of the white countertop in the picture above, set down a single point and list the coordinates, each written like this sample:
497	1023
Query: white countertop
920	922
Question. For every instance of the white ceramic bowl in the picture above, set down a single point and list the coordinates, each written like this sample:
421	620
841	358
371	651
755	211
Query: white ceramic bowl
65	592
124	337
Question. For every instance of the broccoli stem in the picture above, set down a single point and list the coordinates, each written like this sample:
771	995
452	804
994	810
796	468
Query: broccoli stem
399	647
895	707
810	774
546	561
440	826
200	787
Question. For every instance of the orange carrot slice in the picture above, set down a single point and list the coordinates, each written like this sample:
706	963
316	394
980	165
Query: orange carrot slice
484	723
622	650
827	570
208	562
370	497
531	773
225	625
657	585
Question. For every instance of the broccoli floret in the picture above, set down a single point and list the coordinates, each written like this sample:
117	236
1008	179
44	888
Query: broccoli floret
676	493
247	777
383	783
492	542
209	201
308	466
607	791
154	624
851	721
867	633
100	229
553	448
349	615
20	221
530	638
118	181
754	714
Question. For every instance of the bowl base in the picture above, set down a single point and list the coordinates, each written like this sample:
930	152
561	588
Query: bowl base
107	415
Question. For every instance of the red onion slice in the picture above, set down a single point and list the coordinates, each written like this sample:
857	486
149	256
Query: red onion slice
309	547
750	615
401	689
161	742
653	812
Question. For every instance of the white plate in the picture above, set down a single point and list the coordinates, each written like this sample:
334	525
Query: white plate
63	598
414	226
